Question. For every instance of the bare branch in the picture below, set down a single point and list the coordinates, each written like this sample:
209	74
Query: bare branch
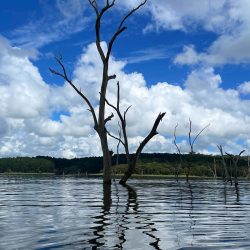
235	159
119	126
112	77
108	118
111	105
112	40
189	135
151	134
241	152
118	144
93	3
125	112
118	97
78	91
130	13
122	120
177	147
98	26
121	28
191	143
230	155
200	133
115	137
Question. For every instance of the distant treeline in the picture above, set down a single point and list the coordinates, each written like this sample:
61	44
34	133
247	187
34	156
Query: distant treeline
156	163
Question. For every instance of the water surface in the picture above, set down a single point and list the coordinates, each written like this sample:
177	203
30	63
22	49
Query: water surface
76	213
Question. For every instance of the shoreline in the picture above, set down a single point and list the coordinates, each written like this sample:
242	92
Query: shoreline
117	176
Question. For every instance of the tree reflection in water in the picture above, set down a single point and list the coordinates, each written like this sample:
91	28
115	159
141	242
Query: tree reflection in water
237	194
231	189
122	219
145	223
101	220
192	218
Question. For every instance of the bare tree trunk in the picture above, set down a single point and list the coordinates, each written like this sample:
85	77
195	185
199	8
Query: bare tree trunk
106	160
99	124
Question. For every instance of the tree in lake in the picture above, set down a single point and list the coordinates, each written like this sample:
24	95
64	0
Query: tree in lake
179	166
100	120
248	167
234	160
227	177
191	144
131	159
191	141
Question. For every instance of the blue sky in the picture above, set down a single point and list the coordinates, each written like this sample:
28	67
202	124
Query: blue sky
188	59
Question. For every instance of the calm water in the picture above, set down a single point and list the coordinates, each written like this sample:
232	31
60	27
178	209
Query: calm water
76	213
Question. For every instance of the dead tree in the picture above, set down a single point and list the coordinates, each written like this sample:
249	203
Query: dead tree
191	144
248	166
131	160
101	120
235	160
177	170
227	177
215	171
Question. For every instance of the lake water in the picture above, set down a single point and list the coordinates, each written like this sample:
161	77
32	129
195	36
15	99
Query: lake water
76	213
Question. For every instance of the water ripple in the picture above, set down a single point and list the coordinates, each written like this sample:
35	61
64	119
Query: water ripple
76	213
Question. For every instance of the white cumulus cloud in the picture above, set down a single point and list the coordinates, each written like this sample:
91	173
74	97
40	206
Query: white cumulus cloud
28	104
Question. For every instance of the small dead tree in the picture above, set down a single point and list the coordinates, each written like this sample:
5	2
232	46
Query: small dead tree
131	160
248	166
227	177
235	160
101	120
179	167
191	144
214	171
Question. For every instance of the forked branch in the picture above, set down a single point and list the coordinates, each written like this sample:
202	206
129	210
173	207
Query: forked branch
121	28
151	134
122	119
191	142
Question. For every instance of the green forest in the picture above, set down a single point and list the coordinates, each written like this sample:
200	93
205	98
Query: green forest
149	164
